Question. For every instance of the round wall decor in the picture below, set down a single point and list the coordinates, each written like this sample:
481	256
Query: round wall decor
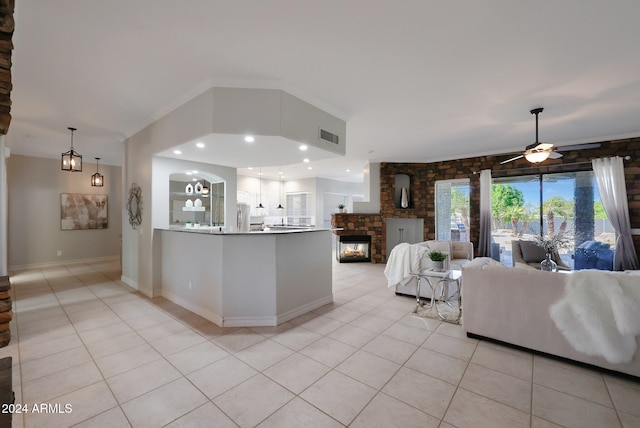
134	205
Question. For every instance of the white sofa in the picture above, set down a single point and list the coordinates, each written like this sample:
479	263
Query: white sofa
460	253
511	305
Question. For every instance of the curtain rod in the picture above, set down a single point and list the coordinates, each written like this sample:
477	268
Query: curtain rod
497	171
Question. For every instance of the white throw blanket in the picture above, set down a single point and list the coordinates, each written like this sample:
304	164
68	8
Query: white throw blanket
600	314
403	260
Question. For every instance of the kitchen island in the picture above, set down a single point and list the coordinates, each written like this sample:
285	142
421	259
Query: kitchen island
244	279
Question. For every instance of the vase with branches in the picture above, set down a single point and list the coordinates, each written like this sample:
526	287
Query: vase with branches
551	244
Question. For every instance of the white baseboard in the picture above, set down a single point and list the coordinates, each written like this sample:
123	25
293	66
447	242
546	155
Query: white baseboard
196	309
249	322
15	268
301	310
267	321
130	282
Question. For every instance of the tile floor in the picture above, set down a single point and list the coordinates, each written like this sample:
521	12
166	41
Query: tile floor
119	359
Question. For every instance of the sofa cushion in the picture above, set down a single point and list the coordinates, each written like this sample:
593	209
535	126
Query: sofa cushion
479	262
460	255
442	246
519	265
458	264
531	252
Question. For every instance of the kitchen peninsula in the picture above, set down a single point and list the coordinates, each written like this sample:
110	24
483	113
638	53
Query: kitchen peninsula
243	279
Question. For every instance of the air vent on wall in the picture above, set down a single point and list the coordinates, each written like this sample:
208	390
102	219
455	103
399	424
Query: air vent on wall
328	136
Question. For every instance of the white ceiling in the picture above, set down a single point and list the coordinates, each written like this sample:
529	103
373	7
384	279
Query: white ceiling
416	81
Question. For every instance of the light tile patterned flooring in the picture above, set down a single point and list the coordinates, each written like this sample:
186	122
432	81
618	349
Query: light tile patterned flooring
81	338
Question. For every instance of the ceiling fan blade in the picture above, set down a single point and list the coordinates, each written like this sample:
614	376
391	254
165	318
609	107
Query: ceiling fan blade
511	160
555	155
580	146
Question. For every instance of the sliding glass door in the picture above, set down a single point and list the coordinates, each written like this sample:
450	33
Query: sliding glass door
548	204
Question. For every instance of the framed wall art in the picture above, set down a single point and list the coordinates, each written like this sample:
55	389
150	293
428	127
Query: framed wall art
81	212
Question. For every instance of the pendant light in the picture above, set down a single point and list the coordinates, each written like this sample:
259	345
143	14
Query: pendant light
72	160
260	206
280	207
97	179
205	188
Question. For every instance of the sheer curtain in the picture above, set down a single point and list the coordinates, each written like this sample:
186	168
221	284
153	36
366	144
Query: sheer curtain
484	246
609	174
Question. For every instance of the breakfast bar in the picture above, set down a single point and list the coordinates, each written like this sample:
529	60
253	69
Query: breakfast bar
244	279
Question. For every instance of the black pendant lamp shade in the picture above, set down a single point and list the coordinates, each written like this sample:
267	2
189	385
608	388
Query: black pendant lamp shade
72	160
260	206
97	179
205	188
280	207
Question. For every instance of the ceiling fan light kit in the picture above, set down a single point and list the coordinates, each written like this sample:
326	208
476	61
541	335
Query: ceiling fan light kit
537	156
539	152
536	152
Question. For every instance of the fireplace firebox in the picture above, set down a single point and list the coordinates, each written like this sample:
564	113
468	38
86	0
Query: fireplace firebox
353	248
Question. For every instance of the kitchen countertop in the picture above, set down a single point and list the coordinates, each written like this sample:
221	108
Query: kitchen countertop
217	230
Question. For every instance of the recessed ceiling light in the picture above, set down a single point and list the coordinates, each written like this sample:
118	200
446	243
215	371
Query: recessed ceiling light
250	167
348	170
306	160
309	167
189	172
177	152
194	179
303	147
249	139
200	145
280	172
195	171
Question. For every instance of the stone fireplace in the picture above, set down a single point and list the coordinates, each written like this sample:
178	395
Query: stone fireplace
353	248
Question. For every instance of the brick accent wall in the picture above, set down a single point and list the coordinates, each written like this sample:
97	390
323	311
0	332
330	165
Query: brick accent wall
424	175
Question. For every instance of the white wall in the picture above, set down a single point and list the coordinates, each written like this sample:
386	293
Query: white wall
371	204
35	236
325	185
188	122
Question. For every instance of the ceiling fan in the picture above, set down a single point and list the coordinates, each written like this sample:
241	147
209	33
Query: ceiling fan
538	152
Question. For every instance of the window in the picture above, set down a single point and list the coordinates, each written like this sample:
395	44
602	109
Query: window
546	204
452	210
299	209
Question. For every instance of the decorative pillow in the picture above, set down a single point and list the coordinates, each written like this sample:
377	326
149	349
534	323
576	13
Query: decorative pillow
532	253
460	255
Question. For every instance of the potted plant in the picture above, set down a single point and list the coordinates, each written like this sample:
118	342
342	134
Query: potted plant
188	224
340	208
437	260
197	224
